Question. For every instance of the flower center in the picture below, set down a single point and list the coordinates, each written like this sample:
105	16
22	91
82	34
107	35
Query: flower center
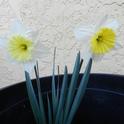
103	41
99	38
24	47
20	48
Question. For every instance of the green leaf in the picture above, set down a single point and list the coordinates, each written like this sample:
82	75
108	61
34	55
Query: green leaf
80	92
32	98
58	89
71	90
61	118
54	97
62	96
41	105
49	111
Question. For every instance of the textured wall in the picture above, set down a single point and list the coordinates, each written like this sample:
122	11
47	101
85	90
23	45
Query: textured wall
56	20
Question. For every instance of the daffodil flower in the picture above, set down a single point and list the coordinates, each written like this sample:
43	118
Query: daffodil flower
21	46
98	40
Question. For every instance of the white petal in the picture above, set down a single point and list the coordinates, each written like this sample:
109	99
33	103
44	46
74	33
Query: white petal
112	24
3	42
29	66
83	32
18	28
103	20
33	35
8	58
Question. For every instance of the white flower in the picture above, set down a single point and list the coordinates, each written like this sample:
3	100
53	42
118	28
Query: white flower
99	39
22	46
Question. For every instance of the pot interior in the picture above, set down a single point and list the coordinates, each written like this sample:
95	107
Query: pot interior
103	101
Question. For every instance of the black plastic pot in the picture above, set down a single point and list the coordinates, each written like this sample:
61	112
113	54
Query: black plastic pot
103	102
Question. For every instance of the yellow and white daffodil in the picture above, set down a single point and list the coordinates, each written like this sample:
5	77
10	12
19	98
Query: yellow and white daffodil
22	46
98	40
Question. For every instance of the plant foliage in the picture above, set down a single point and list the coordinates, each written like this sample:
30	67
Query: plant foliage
63	103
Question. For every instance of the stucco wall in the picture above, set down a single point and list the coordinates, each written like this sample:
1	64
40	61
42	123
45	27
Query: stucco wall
56	20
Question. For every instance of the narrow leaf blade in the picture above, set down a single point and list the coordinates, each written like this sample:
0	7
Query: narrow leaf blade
54	97
62	96
41	105
49	111
71	90
80	92
32	98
